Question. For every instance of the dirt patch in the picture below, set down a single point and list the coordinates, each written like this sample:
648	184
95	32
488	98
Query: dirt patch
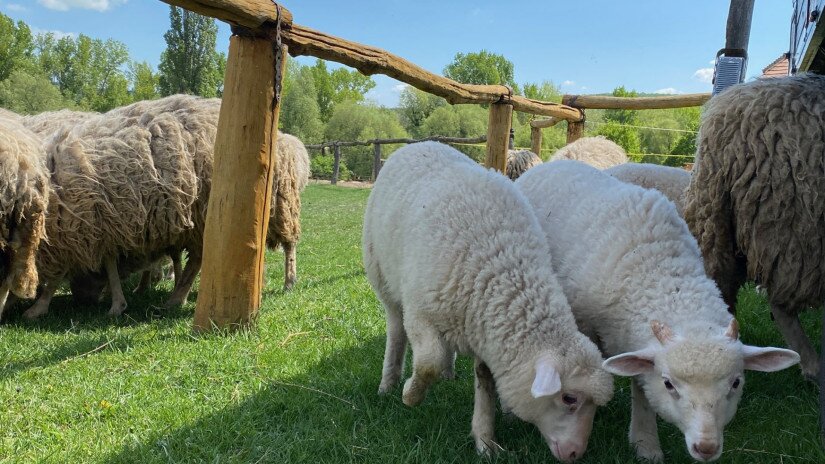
343	183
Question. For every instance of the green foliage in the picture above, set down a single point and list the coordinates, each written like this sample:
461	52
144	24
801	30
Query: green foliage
144	81
622	116
338	86
686	143
300	114
415	106
626	137
481	68
321	168
359	121
190	63
24	93
16	47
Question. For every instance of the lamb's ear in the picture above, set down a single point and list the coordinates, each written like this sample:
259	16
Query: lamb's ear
768	359
630	364
547	381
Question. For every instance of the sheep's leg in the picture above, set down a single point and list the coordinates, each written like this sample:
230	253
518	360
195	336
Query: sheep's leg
118	299
145	281
4	296
41	306
430	358
182	287
395	350
290	267
449	372
484	410
822	385
644	434
177	269
11	300
797	340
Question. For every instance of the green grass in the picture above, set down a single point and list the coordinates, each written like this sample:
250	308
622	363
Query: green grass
78	386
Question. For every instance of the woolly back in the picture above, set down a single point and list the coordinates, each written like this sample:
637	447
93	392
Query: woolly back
519	161
672	182
598	152
758	188
48	123
23	201
291	177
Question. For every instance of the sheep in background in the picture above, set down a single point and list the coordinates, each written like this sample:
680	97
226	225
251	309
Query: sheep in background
48	123
672	182
24	197
635	279
519	161
756	203
459	262
598	152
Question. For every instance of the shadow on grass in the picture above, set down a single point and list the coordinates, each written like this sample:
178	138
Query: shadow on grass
332	413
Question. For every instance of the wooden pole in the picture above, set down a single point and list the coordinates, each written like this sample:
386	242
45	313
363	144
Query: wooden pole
608	102
242	182
376	160
738	31
498	135
336	164
535	139
575	130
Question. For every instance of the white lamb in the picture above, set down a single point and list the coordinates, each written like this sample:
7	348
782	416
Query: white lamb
672	182
459	261
634	277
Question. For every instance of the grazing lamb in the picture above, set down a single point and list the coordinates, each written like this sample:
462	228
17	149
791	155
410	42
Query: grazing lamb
459	262
756	203
166	147
519	161
598	152
634	277
672	182
24	197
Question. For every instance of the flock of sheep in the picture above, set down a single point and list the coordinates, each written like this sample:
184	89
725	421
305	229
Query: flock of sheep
555	279
588	266
92	198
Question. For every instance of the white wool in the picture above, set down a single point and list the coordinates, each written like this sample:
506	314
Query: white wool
672	182
598	152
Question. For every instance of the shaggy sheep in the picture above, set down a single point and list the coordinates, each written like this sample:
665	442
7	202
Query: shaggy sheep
48	123
672	182
755	203
634	278
24	197
155	159
595	151
519	161
459	262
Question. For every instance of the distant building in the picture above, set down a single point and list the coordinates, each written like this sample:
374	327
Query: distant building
779	67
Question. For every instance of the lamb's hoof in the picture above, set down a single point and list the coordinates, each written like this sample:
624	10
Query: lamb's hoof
649	454
34	312
412	396
486	446
117	309
174	302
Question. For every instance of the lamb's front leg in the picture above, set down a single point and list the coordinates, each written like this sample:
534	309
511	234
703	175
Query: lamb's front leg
118	300
484	410
644	434
41	306
429	358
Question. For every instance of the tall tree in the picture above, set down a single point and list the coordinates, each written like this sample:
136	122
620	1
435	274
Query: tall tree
144	81
618	121
190	64
25	93
300	115
416	106
338	86
16	46
481	68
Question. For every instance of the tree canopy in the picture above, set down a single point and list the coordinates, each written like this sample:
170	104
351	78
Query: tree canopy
190	63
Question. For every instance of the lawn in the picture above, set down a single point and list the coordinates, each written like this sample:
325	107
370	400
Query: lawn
301	386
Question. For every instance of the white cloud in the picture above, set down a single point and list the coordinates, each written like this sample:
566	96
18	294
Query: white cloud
399	88
66	5
668	91
15	7
704	75
57	34
568	83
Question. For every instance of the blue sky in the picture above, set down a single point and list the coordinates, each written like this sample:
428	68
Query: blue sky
588	46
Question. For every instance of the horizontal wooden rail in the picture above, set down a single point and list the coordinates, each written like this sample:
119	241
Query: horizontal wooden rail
258	15
544	123
370	60
605	102
361	143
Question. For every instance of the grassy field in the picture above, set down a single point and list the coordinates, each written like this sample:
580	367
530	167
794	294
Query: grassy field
78	386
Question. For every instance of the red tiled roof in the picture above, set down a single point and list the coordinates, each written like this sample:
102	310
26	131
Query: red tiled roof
779	67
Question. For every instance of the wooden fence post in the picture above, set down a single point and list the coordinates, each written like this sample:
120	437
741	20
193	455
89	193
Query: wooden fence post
498	135
535	140
376	160
336	164
238	216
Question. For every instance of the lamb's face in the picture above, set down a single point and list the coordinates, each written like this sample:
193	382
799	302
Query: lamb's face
696	383
562	406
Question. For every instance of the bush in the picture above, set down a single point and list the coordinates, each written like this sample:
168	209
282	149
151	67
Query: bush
321	168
